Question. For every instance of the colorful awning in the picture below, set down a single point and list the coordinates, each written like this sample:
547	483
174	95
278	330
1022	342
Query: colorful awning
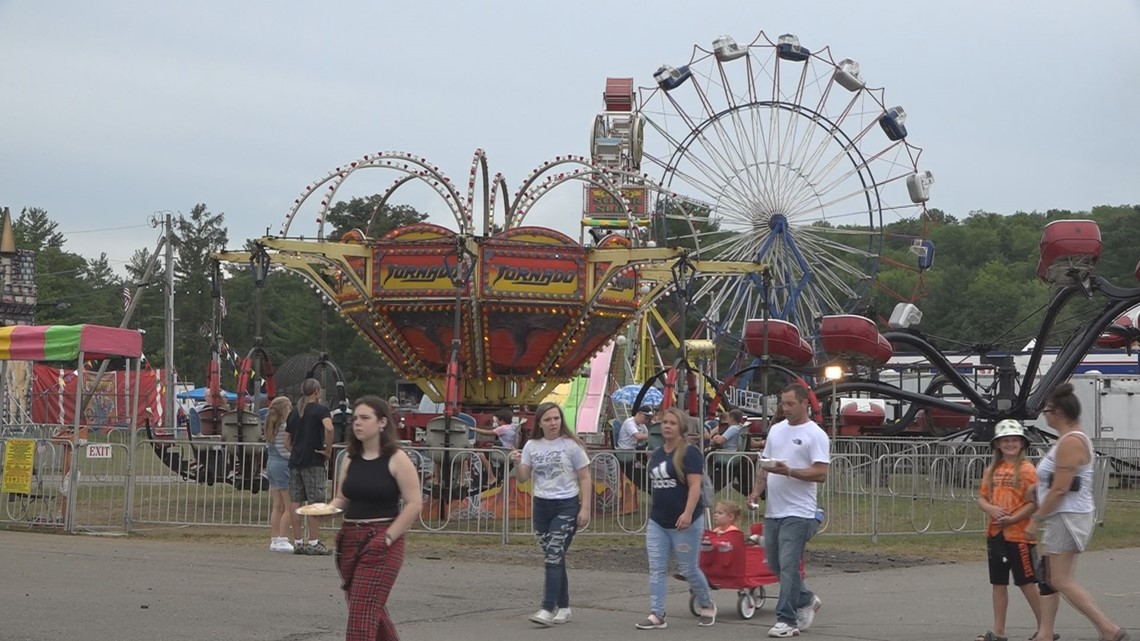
66	342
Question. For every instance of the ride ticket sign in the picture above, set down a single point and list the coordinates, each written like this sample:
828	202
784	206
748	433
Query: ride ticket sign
19	456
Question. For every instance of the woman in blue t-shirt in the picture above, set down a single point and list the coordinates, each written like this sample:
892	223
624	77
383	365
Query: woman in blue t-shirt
676	519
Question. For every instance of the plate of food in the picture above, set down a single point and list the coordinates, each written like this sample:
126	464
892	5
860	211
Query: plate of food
318	509
771	463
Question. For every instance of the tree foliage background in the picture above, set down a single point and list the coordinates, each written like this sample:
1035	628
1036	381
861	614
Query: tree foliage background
983	288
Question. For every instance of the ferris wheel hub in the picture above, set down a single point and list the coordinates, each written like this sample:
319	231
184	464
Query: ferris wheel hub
778	223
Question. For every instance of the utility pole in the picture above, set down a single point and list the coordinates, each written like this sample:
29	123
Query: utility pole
171	418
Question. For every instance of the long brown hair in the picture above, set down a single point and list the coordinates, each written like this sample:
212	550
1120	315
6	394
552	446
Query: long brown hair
563	429
279	409
388	441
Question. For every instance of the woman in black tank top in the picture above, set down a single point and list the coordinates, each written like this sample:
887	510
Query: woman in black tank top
374	479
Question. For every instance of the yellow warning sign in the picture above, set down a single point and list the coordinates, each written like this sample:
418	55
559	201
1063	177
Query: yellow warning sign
19	456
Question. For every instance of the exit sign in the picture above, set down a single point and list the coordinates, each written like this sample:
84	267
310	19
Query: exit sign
98	450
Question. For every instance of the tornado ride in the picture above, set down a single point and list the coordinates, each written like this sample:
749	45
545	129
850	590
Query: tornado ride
491	313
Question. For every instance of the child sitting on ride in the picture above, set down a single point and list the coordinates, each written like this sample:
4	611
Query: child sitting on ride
504	426
725	517
1008	496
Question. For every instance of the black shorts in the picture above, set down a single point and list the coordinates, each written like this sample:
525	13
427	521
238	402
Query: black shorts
1006	557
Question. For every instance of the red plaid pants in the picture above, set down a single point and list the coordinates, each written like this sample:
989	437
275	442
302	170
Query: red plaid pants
368	569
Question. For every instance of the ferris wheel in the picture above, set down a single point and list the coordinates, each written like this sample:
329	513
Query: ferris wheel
776	153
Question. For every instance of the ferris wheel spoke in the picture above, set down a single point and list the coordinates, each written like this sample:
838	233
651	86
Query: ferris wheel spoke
848	151
820	241
858	168
739	143
718	174
828	126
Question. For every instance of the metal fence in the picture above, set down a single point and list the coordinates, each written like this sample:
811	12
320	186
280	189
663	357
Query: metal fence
875	486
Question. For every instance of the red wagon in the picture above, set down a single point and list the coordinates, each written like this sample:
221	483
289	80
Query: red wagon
731	562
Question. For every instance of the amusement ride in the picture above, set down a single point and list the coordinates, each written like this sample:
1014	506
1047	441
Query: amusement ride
740	207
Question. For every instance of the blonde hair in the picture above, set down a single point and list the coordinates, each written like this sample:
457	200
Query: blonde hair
679	453
279	410
730	508
991	469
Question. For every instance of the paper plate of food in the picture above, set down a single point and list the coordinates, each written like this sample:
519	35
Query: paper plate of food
318	509
771	463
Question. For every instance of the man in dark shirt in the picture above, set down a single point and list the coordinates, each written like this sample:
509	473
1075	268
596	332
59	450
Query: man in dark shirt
309	439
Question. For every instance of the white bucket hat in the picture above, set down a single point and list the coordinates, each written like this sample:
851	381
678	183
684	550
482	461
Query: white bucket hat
1008	427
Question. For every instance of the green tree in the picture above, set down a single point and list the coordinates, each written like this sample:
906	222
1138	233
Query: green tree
196	238
34	230
358	212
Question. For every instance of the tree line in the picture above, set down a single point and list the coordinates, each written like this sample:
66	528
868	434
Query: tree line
982	291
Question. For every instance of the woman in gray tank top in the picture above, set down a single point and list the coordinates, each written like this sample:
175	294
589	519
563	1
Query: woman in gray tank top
1065	507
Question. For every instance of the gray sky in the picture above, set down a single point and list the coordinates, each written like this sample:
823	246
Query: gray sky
116	109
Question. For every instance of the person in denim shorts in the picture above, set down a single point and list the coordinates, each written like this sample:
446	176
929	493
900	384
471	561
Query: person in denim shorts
277	467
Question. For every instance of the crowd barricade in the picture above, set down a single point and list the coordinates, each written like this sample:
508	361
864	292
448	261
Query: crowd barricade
874	487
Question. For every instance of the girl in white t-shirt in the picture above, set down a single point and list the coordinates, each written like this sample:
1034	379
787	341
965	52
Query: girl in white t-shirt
555	462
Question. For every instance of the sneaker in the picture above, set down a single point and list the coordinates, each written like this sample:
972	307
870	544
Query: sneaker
318	549
783	631
562	615
652	622
805	616
282	545
543	617
300	548
707	616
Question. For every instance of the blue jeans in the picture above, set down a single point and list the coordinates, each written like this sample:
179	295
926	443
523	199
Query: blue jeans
683	545
555	522
784	541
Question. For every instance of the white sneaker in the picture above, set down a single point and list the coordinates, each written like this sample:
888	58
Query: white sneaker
562	615
543	617
281	545
805	616
783	631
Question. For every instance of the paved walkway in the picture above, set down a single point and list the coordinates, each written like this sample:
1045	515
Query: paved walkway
56	587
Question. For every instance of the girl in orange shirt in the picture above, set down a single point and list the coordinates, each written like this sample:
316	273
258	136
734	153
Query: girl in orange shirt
1008	496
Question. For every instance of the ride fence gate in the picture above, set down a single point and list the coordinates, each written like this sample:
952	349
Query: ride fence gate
875	487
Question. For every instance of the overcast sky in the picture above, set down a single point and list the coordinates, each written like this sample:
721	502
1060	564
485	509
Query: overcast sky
114	110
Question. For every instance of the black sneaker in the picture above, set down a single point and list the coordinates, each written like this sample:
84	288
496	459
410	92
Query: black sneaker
301	548
318	549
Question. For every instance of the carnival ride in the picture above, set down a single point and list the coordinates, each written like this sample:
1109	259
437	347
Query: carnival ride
773	153
777	174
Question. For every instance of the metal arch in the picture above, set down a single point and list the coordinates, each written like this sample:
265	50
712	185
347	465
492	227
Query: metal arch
442	185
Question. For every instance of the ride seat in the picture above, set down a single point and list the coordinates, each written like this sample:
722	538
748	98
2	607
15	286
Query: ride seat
1070	250
618	95
784	341
854	338
1116	335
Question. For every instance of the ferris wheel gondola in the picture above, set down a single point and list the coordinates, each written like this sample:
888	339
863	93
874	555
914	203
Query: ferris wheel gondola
774	153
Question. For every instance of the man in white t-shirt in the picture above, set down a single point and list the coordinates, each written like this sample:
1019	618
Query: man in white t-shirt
802	453
634	434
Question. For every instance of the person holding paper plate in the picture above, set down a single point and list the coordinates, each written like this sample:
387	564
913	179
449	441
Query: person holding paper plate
378	488
794	462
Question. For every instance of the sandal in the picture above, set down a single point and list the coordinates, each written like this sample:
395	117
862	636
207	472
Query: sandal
1120	636
990	636
1034	637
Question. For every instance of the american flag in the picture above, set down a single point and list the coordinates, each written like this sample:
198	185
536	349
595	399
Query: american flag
126	297
222	305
